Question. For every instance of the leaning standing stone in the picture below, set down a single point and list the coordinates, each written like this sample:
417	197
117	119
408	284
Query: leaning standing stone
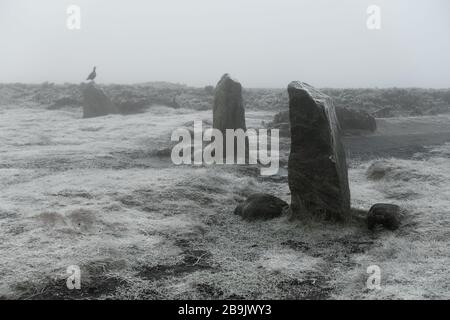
317	168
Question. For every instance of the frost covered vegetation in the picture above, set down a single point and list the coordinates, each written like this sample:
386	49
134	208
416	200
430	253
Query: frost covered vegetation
382	103
102	194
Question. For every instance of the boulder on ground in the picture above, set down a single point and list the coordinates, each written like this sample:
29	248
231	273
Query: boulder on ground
261	206
131	105
349	120
209	90
317	168
380	169
281	122
281	117
355	120
95	102
387	215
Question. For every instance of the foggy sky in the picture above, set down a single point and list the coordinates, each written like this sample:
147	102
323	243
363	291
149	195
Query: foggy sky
262	43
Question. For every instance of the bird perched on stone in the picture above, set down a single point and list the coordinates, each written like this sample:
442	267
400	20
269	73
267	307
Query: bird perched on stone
92	75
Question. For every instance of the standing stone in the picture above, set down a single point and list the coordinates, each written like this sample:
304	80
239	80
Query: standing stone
228	112
95	102
317	169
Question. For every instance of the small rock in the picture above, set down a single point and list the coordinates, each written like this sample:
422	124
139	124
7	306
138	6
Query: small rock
387	215
261	206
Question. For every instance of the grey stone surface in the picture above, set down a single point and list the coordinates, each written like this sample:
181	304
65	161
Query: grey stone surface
317	168
387	215
95	102
228	111
261	206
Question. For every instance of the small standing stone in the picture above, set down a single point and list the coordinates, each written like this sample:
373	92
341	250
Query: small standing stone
95	102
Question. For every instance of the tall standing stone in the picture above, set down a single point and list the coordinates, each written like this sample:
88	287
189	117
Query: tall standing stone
317	169
95	102
228	111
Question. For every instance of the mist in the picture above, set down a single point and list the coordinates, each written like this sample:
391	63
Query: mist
263	43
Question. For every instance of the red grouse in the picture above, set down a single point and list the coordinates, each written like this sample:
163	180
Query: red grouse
92	75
